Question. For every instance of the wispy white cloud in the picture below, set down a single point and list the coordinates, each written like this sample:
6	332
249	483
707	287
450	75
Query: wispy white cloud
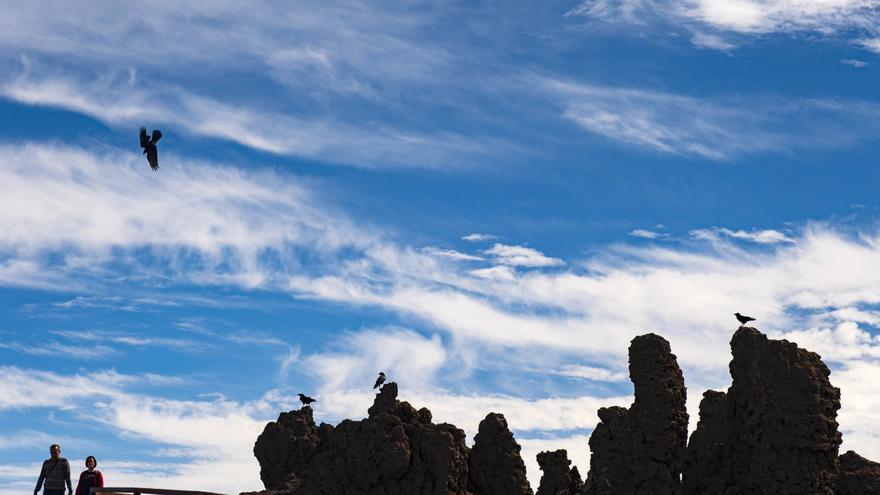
323	42
847	19
767	236
405	356
127	339
26	438
854	62
872	44
647	234
59	391
495	273
126	102
288	360
509	255
592	373
750	16
712	42
57	349
208	221
477	237
631	11
451	254
716	128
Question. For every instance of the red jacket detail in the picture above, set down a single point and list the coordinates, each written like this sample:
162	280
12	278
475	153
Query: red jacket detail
88	479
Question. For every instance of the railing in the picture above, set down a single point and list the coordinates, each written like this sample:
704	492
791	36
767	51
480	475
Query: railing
112	490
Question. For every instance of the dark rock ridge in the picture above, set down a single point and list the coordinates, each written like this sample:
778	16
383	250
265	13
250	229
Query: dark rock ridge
286	445
858	476
774	431
397	450
558	478
495	464
641	450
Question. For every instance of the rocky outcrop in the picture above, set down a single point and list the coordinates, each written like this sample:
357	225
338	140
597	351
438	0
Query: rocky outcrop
774	431
287	445
495	466
557	477
397	450
858	476
641	450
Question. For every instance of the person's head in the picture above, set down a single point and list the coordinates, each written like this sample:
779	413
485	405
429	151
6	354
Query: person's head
91	462
55	450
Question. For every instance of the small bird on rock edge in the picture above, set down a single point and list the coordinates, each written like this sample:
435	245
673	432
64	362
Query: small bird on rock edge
743	319
380	380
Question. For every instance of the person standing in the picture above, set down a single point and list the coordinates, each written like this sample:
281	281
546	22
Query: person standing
90	478
55	473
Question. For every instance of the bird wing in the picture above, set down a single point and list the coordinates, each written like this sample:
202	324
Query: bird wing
153	158
144	138
157	135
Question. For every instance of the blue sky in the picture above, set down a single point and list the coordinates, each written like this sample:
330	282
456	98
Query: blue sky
485	200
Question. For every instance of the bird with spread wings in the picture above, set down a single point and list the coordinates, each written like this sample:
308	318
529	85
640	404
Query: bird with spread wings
149	145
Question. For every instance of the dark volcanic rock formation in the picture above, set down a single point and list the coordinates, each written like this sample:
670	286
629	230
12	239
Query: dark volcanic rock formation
858	476
287	445
496	467
397	450
557	477
774	432
641	450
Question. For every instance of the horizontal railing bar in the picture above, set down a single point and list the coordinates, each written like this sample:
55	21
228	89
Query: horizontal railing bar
148	491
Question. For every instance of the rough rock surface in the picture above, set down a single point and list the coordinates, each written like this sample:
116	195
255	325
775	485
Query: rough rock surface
557	477
496	467
774	432
287	445
858	476
397	450
641	450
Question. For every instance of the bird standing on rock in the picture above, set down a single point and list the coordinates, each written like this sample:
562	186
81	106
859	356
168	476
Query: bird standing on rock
380	380
306	400
743	319
149	146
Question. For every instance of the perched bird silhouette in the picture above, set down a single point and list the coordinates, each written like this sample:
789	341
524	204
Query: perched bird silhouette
306	400
743	319
380	380
149	146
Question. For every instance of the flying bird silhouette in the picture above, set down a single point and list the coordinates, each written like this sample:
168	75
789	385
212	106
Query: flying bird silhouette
743	319
380	380
149	146
306	400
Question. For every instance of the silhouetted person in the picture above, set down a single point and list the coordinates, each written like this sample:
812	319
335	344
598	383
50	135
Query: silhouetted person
380	380
306	400
56	473
743	319
149	146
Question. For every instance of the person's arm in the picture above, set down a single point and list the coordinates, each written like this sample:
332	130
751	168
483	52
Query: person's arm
79	485
99	479
66	467
40	479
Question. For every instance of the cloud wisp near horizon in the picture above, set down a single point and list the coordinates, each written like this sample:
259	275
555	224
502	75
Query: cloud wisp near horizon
486	202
